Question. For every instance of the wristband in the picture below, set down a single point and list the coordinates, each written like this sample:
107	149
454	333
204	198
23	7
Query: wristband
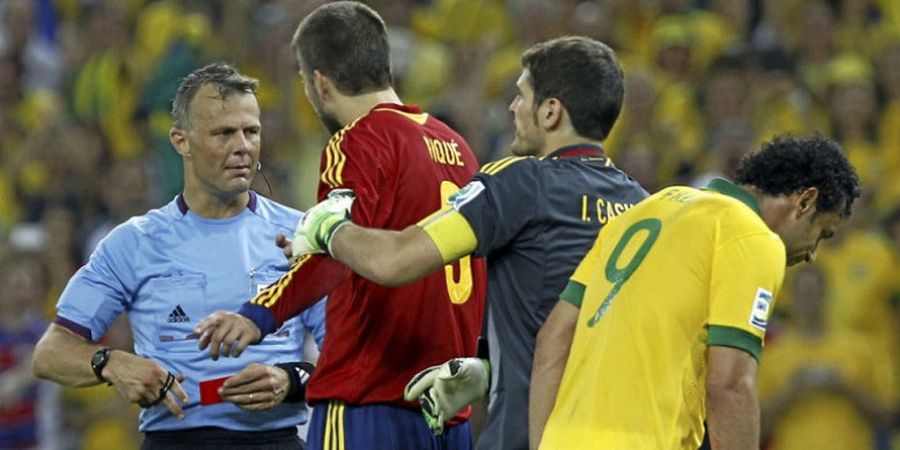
482	350
298	375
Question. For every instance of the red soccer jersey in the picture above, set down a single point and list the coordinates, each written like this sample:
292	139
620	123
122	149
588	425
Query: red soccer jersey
402	164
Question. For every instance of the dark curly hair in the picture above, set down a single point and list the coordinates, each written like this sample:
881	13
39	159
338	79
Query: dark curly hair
790	164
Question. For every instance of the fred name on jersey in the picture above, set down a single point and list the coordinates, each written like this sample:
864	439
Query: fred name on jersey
601	209
444	152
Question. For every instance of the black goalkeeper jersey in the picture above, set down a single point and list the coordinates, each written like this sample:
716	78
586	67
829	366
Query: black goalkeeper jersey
534	219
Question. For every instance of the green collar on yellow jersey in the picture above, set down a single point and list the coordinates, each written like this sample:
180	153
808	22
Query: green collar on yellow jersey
730	189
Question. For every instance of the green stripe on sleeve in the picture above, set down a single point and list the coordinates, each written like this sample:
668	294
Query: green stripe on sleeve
573	293
734	337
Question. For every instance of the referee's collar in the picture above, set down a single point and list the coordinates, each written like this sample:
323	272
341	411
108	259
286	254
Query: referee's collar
183	207
730	189
571	151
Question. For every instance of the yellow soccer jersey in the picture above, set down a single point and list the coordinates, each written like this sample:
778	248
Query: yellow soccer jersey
682	270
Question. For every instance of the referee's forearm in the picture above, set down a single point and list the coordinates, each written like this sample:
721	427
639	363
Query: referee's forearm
64	357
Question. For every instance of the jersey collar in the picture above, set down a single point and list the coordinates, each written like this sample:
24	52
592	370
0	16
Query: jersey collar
409	109
571	151
411	112
730	189
183	207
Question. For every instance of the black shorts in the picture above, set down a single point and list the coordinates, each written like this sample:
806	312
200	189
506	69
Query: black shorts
219	438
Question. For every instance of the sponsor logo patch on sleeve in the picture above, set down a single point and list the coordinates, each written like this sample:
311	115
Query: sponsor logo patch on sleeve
759	316
466	194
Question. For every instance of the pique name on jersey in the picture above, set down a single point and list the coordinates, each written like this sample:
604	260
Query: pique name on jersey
601	209
444	152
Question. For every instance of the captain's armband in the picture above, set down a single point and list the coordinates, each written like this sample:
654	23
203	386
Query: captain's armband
451	234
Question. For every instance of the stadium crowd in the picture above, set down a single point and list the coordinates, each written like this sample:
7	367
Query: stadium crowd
85	98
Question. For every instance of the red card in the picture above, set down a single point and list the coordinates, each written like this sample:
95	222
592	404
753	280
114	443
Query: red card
209	391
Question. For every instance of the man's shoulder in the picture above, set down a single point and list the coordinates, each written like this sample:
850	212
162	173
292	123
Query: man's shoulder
515	176
397	115
155	219
511	167
276	213
389	123
733	220
365	135
597	172
129	233
729	209
385	121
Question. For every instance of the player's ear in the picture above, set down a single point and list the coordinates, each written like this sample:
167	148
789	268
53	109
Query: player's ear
551	113
324	85
806	201
178	138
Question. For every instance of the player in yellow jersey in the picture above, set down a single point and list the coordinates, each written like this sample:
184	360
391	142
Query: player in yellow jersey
662	324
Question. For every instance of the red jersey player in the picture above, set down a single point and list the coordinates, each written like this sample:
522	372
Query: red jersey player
402	164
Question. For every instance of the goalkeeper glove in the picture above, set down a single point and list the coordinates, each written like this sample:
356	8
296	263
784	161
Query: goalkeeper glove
445	389
315	229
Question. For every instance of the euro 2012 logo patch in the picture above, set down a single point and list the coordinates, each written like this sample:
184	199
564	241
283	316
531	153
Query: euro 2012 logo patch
465	195
759	317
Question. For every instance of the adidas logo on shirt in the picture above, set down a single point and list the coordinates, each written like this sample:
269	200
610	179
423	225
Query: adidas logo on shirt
178	316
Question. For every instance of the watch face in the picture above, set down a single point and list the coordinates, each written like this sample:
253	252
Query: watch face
98	358
98	362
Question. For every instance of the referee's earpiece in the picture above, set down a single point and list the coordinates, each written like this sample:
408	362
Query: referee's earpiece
258	165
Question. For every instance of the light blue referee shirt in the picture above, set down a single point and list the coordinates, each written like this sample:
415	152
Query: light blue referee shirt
169	269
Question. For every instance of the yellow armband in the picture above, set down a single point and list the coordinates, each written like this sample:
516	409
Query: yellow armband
451	233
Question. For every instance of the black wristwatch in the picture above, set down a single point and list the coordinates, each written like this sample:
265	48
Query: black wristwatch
98	362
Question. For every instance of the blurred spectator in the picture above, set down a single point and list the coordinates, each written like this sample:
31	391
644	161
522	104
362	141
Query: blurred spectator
29	408
28	43
724	94
854	111
860	23
892	230
774	27
780	103
103	90
168	44
127	191
861	271
820	387
815	44
726	146
888	77
676	108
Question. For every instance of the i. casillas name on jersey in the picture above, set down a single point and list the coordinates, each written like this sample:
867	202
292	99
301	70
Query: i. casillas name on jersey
601	209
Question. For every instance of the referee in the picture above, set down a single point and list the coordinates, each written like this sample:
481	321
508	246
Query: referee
209	248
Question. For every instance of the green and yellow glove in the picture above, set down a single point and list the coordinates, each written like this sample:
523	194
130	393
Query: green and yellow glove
318	225
444	390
